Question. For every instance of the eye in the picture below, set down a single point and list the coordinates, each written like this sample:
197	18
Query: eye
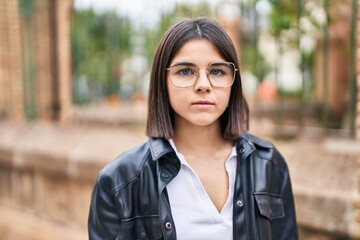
217	72
185	71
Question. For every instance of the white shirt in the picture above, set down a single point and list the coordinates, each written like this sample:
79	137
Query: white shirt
195	216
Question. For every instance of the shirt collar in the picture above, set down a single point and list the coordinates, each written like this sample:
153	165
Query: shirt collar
182	158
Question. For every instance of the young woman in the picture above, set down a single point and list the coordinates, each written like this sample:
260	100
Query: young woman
200	175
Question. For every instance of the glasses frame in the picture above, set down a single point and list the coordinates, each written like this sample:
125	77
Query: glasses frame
207	73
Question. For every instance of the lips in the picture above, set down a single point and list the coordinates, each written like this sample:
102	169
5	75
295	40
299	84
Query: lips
202	103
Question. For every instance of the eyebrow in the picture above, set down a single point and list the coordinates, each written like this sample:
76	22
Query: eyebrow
183	63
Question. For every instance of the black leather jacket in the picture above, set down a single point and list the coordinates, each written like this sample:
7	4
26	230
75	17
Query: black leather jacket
129	200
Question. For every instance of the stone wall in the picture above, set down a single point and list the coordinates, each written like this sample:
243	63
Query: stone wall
325	183
47	172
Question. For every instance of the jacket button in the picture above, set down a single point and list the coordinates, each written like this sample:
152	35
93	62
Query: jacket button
242	150
165	175
240	203
168	226
142	235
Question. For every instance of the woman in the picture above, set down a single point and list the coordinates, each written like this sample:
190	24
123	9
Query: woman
200	175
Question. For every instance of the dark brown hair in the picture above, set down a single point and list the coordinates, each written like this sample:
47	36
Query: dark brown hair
160	119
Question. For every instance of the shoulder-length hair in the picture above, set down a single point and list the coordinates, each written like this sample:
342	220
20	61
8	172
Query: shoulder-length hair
160	119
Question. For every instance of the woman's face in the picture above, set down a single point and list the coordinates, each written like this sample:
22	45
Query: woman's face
201	104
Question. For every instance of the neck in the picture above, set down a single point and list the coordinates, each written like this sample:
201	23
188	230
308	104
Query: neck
198	140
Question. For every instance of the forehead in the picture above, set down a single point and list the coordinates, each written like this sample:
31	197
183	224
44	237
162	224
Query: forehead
199	51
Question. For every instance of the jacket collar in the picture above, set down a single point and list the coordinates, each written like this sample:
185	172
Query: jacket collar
159	147
254	141
248	143
245	144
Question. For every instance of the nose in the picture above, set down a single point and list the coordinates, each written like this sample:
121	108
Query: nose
202	83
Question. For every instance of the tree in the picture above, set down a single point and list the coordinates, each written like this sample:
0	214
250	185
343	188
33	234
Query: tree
99	44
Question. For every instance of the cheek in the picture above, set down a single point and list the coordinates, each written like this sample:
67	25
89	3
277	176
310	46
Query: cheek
176	99
225	98
169	91
173	96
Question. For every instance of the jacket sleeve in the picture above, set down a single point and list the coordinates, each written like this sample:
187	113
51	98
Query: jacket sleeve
287	225
103	222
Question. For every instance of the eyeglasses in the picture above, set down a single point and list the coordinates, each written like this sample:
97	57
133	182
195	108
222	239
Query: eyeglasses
185	74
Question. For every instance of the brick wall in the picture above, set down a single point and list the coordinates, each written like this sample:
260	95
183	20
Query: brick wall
64	56
53	58
358	77
337	64
11	85
3	41
35	60
42	57
358	109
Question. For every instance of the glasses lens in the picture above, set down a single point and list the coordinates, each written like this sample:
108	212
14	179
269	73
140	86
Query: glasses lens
183	75
221	74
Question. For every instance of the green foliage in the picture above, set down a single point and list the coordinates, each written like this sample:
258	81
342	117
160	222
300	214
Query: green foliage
252	60
182	11
99	44
26	8
190	11
283	16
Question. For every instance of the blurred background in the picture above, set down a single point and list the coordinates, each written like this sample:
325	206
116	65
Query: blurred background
73	92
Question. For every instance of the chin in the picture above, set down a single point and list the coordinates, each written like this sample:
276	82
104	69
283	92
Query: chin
203	122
